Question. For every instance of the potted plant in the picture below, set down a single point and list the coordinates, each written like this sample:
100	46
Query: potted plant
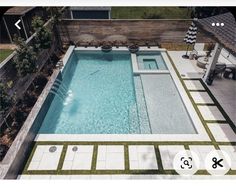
133	48
106	47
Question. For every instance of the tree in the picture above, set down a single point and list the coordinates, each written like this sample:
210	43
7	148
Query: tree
43	36
25	59
5	102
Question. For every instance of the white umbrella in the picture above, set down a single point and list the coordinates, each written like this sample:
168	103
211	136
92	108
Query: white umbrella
190	37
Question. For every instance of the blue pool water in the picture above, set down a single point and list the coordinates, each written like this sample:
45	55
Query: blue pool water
150	64
100	99
100	95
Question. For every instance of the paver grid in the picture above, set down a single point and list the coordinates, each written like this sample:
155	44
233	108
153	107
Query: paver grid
110	157
78	157
143	157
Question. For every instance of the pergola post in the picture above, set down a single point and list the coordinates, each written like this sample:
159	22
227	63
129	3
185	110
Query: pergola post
213	60
26	36
8	33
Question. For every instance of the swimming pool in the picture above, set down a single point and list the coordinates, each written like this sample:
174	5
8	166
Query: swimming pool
99	94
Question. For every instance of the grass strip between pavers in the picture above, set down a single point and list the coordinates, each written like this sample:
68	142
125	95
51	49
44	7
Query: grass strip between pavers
126	157
62	157
158	158
94	158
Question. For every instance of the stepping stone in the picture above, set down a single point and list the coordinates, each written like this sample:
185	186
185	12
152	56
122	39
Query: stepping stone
231	151
202	151
201	98
78	157
193	85
222	132
211	113
110	157
168	153
142	157
46	157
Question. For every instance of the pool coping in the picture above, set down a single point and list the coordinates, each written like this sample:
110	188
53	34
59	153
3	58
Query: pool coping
201	134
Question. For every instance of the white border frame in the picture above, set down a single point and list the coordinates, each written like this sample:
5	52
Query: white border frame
201	134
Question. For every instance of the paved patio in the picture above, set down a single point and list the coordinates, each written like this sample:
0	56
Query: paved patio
140	159
224	90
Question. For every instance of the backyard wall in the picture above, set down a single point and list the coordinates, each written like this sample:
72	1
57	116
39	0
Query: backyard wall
161	31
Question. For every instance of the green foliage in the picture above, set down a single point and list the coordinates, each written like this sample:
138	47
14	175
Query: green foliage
56	13
44	36
25	59
4	53
4	98
151	16
151	13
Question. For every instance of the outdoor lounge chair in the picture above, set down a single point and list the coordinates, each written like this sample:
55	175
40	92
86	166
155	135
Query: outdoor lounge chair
219	69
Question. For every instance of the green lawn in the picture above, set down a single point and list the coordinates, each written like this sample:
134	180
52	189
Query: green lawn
4	53
150	13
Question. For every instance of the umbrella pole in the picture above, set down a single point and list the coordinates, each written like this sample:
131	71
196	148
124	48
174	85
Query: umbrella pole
187	50
186	54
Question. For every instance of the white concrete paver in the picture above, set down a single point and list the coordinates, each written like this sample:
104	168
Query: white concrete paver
78	157
201	97
202	151
222	132
211	113
110	157
231	150
168	153
186	67
142	157
43	159
193	85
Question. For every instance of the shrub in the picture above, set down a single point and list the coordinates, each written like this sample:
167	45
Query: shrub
5	102
44	36
25	59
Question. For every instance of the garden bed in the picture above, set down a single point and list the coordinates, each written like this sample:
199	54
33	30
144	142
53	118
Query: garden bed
20	111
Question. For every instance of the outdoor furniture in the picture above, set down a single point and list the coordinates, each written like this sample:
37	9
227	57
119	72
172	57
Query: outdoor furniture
202	62
133	48
198	51
106	48
219	69
229	71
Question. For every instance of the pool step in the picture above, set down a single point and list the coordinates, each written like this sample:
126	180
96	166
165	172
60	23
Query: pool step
141	105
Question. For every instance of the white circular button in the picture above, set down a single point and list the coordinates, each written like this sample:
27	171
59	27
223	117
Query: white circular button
186	162
217	162
222	24
213	24
218	24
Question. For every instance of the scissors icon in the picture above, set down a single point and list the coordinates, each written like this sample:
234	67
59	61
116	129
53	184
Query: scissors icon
216	163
